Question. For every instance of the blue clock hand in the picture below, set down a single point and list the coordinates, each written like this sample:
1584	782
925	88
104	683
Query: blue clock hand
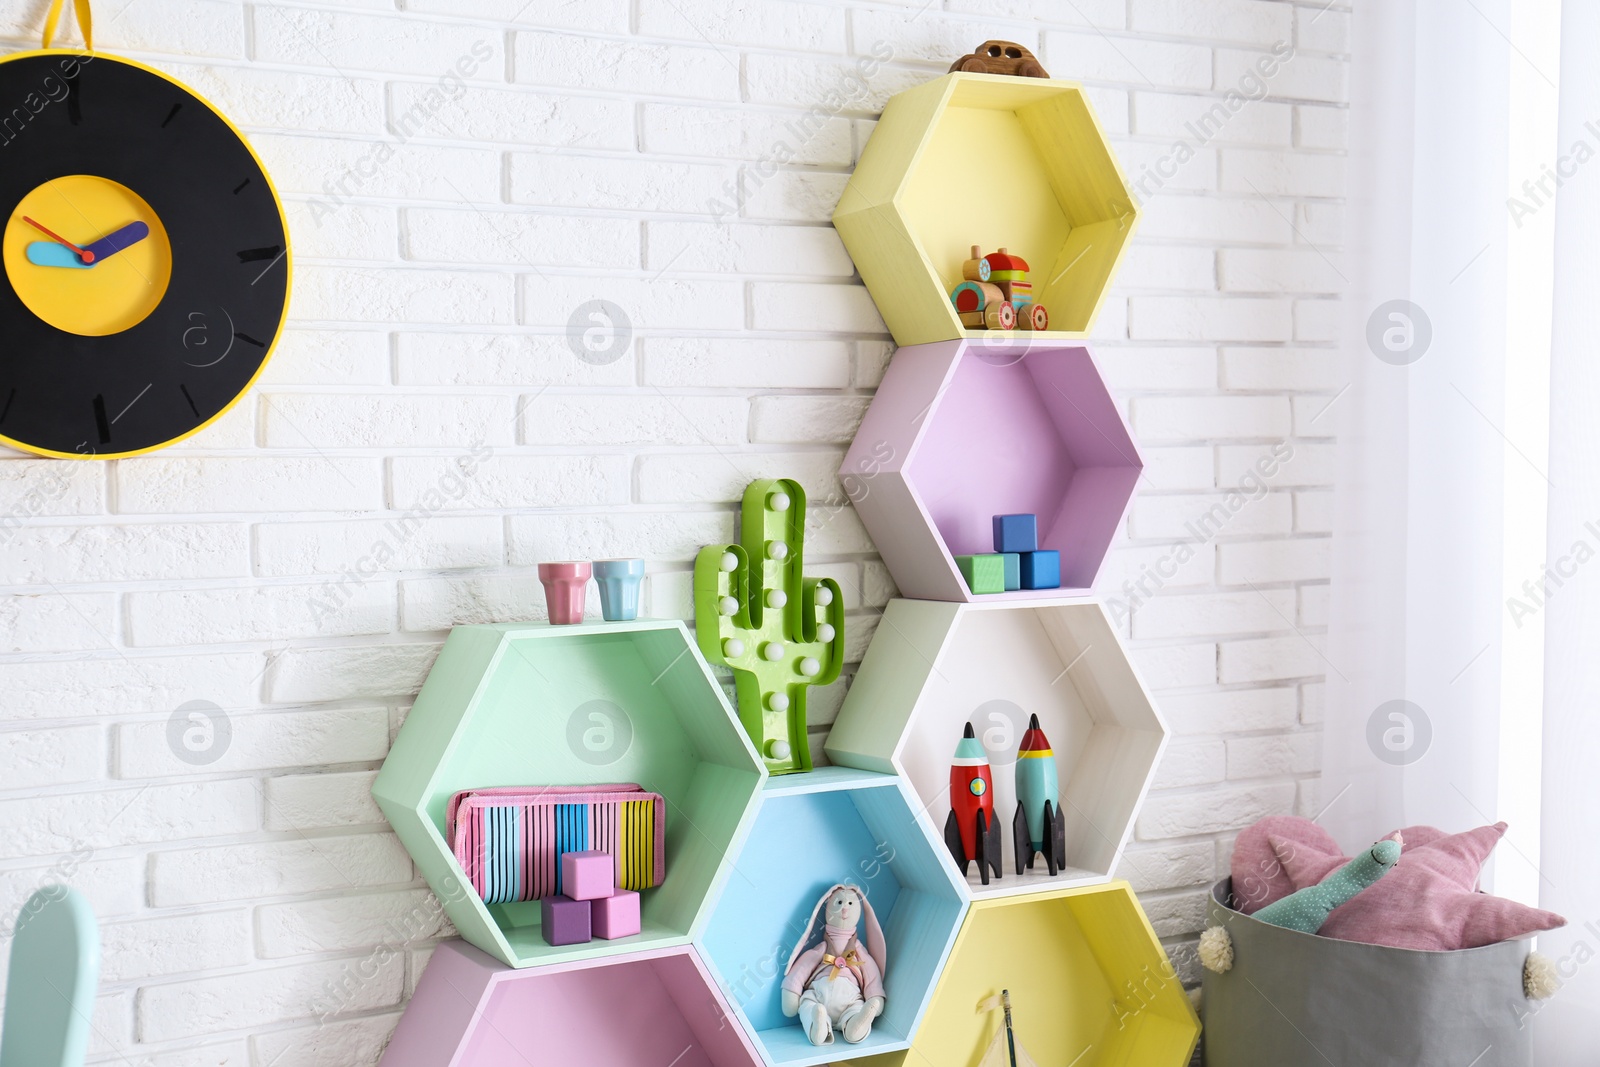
50	254
117	240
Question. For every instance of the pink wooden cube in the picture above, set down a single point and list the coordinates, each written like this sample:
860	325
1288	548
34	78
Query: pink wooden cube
588	875
615	916
564	921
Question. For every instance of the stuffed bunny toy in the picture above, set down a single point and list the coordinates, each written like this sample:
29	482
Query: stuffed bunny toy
837	983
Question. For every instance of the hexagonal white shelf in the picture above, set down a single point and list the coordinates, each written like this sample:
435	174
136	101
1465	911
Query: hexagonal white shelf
934	666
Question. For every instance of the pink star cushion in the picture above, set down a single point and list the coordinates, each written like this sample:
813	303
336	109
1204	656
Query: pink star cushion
1259	877
1428	902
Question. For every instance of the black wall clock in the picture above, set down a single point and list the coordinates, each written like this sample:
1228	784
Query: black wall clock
146	257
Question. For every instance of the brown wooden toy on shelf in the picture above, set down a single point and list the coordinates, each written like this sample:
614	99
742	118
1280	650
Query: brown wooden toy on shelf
997	294
1001	57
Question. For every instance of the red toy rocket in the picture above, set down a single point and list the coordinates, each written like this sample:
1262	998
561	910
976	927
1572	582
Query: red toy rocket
971	832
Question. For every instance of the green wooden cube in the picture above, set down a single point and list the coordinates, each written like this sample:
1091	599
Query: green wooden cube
985	573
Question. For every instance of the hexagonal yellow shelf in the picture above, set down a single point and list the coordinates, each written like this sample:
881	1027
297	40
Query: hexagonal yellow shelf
935	666
996	161
536	705
1089	982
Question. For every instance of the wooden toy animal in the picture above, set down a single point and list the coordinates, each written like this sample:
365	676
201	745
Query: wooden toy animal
1001	57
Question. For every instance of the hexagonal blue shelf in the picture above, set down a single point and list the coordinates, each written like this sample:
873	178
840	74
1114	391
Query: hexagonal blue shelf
813	830
533	704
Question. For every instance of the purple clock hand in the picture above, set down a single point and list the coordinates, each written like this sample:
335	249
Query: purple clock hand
117	240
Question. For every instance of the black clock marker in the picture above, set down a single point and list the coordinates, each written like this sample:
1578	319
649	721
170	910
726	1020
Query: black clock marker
252	255
7	409
74	106
237	189
190	399
172	114
247	339
100	421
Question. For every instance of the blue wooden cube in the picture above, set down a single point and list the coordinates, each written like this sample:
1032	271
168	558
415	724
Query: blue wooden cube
1013	565
1041	569
1016	533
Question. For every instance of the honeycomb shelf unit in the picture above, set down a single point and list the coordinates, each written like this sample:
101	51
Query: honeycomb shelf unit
990	160
833	825
1103	994
932	667
469	1010
962	431
533	704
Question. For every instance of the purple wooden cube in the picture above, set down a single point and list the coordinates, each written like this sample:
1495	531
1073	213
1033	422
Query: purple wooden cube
564	921
617	915
588	875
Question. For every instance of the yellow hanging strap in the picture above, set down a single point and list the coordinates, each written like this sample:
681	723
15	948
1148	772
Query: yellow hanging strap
52	18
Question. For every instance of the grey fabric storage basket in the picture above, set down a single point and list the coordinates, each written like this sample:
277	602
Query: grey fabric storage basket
1299	1000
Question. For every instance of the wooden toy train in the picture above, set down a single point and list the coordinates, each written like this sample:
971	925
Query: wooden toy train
997	294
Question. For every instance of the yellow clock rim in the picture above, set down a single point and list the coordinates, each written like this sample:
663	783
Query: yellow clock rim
288	262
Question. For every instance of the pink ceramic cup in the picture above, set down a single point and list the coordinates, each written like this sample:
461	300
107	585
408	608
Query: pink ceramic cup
564	587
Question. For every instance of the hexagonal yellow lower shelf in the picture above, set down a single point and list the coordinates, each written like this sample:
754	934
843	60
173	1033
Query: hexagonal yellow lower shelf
995	161
1090	986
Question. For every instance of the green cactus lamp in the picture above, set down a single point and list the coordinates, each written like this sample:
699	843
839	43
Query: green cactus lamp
780	632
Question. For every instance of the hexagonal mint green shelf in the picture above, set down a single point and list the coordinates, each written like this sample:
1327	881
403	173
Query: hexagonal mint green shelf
533	704
962	431
933	666
813	830
657	1006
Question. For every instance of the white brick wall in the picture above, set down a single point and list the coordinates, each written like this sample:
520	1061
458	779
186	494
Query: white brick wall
460	175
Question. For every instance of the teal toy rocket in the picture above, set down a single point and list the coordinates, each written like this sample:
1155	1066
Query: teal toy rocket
1038	826
1307	909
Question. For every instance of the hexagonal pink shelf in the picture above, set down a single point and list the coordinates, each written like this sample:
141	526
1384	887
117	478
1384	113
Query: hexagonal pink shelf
648	1007
961	431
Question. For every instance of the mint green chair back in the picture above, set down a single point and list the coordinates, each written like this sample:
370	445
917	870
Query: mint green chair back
55	968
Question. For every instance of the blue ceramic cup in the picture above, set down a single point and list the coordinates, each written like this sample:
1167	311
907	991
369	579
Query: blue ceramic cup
619	580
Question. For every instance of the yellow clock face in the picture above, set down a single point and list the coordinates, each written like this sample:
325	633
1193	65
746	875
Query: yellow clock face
87	255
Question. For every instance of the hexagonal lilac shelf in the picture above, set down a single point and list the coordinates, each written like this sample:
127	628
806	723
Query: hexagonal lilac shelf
657	1006
813	830
961	431
932	667
532	704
